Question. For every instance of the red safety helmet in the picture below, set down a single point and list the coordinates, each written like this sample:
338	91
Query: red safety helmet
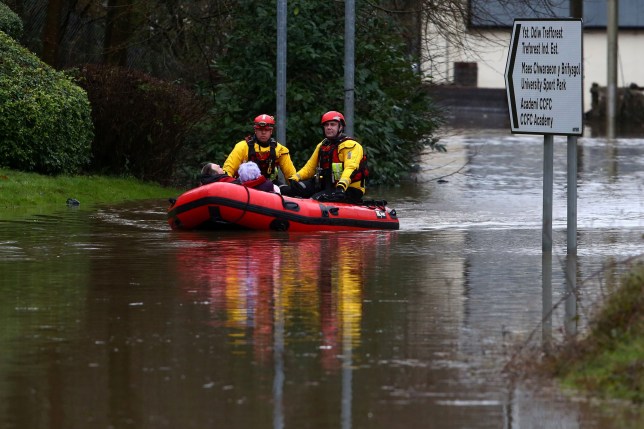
264	121
333	116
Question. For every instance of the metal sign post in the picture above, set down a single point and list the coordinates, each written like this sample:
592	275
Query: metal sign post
544	85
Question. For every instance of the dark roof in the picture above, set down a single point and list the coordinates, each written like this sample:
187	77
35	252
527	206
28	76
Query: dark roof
501	13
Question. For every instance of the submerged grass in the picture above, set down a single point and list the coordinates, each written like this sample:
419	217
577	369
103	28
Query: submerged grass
609	361
31	192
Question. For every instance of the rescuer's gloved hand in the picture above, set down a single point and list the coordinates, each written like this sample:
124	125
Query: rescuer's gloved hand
335	196
298	188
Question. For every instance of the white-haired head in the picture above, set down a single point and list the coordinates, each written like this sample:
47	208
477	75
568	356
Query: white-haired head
248	171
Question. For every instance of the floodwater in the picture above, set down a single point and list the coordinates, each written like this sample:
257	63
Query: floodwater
111	320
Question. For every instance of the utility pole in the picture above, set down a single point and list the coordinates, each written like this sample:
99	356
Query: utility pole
349	63
576	8
612	26
280	109
576	11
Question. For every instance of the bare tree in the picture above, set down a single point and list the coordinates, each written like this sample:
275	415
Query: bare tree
51	32
171	38
166	38
427	23
119	29
179	38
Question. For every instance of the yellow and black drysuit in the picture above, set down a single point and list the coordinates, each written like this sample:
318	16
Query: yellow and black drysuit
337	164
268	156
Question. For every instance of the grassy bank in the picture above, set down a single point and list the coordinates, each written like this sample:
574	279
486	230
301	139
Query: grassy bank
30	192
609	361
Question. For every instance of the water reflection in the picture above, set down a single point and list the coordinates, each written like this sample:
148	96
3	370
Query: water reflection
112	320
249	282
571	296
546	300
263	287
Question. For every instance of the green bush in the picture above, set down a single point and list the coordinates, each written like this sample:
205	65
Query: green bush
607	361
45	123
10	23
394	117
141	122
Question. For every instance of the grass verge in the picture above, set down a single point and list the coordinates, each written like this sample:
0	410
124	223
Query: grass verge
609	362
35	193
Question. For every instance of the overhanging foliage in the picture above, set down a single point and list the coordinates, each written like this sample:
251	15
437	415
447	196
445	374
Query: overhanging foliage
393	117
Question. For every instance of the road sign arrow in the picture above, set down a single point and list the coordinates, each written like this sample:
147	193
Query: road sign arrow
544	77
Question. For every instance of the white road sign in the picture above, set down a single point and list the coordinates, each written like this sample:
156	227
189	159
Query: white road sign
544	77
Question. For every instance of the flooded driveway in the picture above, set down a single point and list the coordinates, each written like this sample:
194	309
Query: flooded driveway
111	320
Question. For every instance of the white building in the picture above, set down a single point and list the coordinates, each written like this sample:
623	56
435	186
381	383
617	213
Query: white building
480	57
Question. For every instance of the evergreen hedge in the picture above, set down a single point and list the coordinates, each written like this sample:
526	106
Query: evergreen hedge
141	122
45	123
10	22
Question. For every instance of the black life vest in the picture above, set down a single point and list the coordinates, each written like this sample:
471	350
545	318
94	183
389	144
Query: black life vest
328	155
266	161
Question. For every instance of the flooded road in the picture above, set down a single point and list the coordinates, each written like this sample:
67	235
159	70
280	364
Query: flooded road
111	320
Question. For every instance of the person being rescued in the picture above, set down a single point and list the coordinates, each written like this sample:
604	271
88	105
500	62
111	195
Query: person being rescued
337	170
211	173
263	150
251	177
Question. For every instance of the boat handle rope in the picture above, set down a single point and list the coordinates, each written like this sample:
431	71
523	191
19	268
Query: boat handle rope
245	209
289	205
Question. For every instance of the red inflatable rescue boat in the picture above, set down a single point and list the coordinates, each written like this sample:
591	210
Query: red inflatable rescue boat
222	205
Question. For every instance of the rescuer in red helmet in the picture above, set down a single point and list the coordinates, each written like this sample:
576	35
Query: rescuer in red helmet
337	170
263	150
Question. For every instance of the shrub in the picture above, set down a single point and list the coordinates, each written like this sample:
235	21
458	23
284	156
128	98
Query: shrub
141	122
608	361
394	117
45	123
10	23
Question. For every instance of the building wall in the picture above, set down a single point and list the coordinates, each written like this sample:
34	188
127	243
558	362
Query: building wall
490	50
